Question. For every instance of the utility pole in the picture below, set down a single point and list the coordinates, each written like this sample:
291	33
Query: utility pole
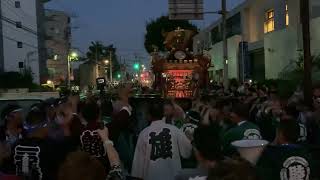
69	73
305	21
96	63
96	54
110	65
225	44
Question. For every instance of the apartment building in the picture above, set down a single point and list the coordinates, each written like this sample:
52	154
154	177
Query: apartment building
21	37
58	43
264	38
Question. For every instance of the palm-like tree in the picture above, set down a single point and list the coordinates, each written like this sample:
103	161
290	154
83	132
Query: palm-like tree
98	52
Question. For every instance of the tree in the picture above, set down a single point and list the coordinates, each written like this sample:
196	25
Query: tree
115	62
155	28
292	75
99	52
16	79
294	71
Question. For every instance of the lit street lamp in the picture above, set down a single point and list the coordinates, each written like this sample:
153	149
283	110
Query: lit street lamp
108	62
73	56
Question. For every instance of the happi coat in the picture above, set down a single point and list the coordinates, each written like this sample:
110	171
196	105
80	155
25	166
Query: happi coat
158	151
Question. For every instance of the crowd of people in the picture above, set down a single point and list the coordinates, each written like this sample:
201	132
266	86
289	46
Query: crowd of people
95	138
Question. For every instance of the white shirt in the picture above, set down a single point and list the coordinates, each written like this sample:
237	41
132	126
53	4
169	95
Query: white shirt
158	151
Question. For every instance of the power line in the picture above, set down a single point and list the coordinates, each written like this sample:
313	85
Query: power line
17	30
131	49
13	27
12	39
25	13
18	15
68	10
13	9
15	23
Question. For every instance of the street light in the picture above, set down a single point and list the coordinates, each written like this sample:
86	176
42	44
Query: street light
106	61
136	66
71	57
74	55
49	82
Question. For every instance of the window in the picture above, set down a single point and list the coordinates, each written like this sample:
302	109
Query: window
269	21
18	24
287	15
55	57
17	4
216	35
20	64
51	72
19	44
56	30
234	25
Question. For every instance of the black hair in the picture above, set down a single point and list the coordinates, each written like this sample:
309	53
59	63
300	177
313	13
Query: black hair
168	102
6	111
50	102
233	170
80	106
76	127
36	115
106	107
316	86
204	99
90	111
207	142
221	103
292	111
263	88
252	90
155	110
290	129
241	110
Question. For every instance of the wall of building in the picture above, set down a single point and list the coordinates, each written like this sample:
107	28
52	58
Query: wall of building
253	18
1	45
87	75
41	40
28	35
280	48
89	72
201	42
315	8
217	56
57	44
315	36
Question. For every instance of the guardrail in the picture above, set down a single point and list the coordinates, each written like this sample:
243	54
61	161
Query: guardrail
29	95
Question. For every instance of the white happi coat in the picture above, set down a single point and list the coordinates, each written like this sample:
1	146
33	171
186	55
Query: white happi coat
158	151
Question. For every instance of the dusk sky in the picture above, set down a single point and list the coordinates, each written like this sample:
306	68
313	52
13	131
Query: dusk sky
120	22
